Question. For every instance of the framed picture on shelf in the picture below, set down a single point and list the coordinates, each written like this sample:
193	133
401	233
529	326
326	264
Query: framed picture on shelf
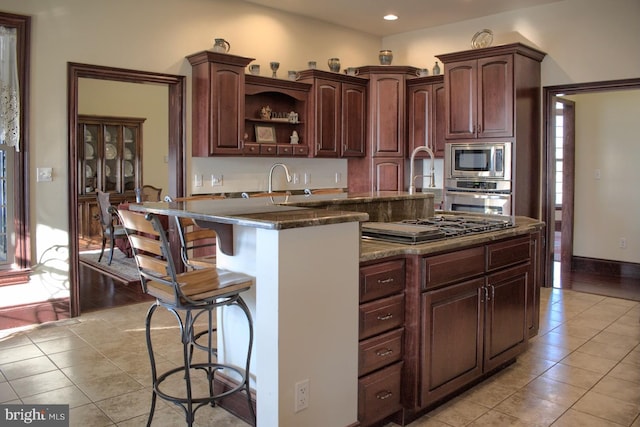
265	133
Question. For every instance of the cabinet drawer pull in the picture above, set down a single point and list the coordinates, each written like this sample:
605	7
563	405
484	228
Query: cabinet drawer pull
384	353
385	281
384	395
386	316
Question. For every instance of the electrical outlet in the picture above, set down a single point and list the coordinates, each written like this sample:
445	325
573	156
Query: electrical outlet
307	178
623	243
216	180
295	176
301	395
338	177
197	180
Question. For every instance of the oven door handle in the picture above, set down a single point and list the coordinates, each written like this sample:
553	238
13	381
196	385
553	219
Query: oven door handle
478	195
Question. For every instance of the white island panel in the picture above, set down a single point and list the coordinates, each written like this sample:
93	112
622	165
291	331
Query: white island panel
305	308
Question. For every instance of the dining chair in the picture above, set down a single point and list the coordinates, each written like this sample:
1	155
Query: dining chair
148	193
111	229
188	296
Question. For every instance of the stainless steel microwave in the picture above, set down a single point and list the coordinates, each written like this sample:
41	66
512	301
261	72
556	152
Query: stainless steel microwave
485	160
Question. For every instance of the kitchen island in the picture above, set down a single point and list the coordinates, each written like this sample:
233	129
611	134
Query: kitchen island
306	254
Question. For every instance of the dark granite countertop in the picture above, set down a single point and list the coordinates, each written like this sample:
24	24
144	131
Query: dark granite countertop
262	212
371	249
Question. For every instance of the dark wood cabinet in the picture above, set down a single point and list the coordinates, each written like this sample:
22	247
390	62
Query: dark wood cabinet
283	97
426	123
381	348
383	167
451	339
472	315
337	106
493	94
479	98
109	159
217	103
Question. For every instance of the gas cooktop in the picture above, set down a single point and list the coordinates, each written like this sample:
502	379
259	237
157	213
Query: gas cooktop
414	231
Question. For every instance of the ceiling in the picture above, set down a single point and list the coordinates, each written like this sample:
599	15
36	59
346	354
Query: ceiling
366	15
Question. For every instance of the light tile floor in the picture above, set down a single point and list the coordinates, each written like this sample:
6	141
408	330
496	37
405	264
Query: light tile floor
583	369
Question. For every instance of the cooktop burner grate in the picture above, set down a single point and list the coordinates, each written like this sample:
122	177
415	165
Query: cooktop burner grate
421	230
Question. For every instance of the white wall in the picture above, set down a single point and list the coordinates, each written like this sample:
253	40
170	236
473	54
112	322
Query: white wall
587	40
109	98
608	208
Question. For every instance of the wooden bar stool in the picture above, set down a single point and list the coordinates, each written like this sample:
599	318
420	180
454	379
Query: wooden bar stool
188	296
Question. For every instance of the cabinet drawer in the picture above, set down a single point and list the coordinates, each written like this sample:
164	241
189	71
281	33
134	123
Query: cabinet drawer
509	252
381	315
380	351
382	279
453	267
379	394
268	150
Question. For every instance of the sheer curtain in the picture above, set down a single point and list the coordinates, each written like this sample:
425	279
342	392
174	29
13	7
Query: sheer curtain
9	90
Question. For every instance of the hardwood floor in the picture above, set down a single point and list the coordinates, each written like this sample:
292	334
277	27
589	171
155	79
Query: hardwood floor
599	284
99	291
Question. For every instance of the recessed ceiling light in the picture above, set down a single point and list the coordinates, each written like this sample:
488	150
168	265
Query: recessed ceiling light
390	17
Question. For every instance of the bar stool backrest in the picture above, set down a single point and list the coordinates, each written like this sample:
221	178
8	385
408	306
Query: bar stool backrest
152	254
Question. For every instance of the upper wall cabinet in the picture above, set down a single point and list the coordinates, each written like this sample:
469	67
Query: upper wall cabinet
217	103
275	122
337	112
483	87
426	115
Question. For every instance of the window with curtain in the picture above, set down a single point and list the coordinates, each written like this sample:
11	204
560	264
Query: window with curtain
9	136
15	256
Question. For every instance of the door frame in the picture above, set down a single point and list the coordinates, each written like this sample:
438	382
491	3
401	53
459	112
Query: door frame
176	86
548	153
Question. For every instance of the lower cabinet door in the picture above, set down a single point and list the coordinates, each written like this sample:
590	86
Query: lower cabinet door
379	394
451	342
506	331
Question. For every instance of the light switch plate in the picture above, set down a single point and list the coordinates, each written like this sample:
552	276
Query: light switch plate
44	174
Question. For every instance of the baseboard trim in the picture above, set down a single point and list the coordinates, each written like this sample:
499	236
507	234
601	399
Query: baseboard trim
605	267
237	402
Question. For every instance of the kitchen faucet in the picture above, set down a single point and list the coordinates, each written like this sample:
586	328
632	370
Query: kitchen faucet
412	185
286	171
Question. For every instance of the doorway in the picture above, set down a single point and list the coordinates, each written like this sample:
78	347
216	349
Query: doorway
176	150
551	96
563	127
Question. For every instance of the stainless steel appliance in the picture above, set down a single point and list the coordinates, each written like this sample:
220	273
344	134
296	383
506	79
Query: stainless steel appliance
478	178
421	230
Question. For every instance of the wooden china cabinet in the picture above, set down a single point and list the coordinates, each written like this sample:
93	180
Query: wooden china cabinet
109	159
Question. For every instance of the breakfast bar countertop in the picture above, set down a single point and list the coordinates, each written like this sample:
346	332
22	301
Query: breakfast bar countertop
280	211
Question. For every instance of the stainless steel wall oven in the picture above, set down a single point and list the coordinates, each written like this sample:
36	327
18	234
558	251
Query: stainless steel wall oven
478	177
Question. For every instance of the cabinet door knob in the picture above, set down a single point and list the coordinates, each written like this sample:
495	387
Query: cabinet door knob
386	316
385	281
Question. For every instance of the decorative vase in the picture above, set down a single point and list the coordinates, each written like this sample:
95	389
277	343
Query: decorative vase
334	64
221	45
385	57
436	69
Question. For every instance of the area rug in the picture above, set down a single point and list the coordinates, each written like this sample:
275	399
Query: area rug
122	268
